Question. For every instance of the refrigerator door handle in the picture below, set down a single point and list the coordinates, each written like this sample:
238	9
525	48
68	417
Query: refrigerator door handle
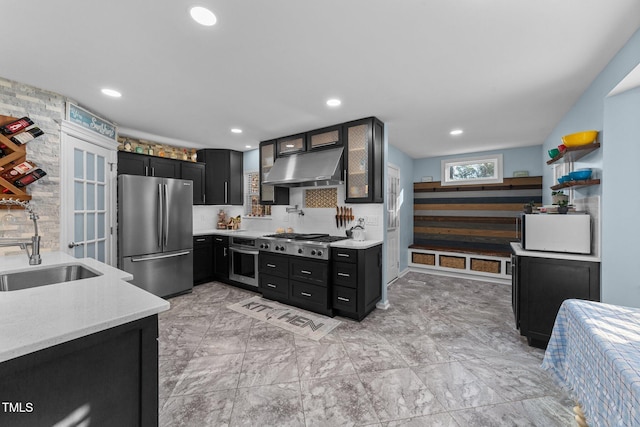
141	259
160	219
165	214
226	192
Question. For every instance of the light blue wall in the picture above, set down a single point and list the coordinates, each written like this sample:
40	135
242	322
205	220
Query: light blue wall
405	164
588	113
251	161
619	268
620	227
514	159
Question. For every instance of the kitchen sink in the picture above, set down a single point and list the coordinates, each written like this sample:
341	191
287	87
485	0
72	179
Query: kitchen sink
45	276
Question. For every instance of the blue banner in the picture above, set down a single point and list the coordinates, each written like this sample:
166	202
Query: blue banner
90	121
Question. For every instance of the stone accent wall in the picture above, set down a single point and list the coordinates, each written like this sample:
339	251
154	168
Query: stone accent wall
47	110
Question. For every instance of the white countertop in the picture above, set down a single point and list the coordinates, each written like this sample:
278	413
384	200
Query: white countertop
221	232
37	318
517	249
353	244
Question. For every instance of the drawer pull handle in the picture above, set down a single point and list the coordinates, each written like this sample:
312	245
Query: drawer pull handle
343	299
200	240
305	294
218	239
305	272
344	274
271	285
344	255
271	265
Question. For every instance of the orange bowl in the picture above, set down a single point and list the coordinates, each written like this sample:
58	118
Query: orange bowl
580	138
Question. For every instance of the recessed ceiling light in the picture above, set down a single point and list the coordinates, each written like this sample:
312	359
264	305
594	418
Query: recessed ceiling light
236	130
333	102
289	145
112	93
203	16
456	132
248	146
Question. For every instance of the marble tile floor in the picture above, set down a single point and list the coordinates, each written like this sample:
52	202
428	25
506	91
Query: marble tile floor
444	354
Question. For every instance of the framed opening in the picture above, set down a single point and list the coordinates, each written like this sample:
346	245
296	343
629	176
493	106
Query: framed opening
472	171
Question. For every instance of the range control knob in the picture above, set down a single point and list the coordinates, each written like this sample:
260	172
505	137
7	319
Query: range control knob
300	251
277	248
319	253
313	251
280	248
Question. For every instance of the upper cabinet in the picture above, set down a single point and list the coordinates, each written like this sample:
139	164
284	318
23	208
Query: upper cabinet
224	176
270	195
145	165
290	145
363	159
196	173
328	137
364	163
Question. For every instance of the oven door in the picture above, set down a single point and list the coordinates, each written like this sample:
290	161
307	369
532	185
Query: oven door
244	266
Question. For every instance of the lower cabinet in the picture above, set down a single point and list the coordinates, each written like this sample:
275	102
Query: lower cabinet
202	259
540	285
221	258
356	281
349	285
109	378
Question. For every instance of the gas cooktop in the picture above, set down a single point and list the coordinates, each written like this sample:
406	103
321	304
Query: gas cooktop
303	245
313	237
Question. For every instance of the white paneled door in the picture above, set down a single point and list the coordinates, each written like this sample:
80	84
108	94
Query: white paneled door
393	223
88	200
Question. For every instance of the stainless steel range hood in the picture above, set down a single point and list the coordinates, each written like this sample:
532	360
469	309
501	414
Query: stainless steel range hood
314	168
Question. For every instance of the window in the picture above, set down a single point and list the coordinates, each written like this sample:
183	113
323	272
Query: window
470	171
252	206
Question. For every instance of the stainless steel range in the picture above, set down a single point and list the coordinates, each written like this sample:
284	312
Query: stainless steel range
314	246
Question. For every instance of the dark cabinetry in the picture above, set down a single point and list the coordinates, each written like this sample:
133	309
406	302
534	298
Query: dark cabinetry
295	281
270	195
144	165
356	281
328	137
221	258
196	173
224	176
363	158
109	378
202	259
539	287
364	163
210	258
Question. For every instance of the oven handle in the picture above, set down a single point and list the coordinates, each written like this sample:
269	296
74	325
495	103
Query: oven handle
243	251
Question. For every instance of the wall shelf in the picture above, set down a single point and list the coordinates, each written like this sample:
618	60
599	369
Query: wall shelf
574	153
582	183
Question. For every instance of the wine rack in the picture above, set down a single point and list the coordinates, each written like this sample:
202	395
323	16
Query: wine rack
18	154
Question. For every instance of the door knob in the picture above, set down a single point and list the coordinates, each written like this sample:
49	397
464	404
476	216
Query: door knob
74	244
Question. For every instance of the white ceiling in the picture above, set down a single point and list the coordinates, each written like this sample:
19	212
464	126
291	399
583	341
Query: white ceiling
505	71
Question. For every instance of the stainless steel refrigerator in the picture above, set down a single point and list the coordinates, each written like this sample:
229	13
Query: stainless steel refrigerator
155	233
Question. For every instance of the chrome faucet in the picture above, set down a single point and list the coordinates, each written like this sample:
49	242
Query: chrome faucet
34	242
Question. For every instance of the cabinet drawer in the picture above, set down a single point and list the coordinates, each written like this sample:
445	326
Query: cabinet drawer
345	274
274	286
344	255
221	240
309	271
344	299
273	264
307	293
202	240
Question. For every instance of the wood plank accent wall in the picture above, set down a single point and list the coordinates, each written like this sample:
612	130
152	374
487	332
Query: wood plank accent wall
471	218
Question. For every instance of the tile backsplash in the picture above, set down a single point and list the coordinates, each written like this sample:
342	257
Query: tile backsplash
314	220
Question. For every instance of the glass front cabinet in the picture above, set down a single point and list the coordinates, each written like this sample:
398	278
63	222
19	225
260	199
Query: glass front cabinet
270	195
364	164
